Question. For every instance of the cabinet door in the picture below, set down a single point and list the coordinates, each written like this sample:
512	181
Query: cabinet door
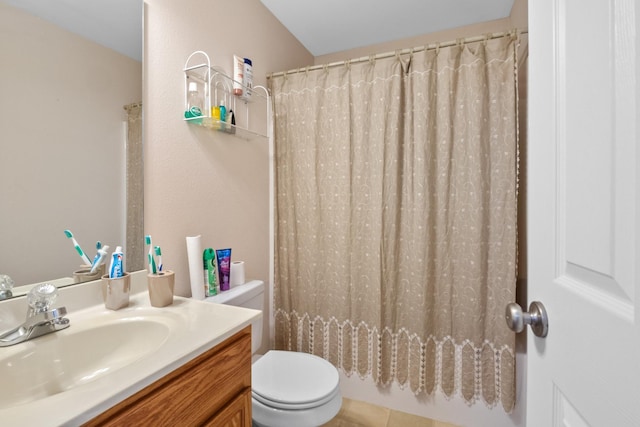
236	414
191	394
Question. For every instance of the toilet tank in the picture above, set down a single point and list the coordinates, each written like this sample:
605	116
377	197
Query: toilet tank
247	295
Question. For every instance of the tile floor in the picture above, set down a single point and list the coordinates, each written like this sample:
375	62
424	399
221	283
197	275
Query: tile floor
355	413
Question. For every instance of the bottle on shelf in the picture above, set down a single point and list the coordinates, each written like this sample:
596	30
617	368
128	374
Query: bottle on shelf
195	103
215	115
238	74
230	122
223	115
247	79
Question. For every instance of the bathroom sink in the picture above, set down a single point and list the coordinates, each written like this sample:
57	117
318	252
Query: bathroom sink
83	353
71	376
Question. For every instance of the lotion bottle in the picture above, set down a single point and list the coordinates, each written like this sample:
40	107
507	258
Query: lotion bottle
238	73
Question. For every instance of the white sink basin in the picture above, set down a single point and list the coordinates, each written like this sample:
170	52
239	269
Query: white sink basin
82	353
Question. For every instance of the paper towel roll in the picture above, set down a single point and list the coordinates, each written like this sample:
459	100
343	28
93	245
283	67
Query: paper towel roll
194	253
237	273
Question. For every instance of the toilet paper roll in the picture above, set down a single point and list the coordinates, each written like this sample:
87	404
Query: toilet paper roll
237	273
194	254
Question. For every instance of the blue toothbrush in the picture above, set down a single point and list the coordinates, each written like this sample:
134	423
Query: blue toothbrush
159	254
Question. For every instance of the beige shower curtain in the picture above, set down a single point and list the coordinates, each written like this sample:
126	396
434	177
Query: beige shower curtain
396	218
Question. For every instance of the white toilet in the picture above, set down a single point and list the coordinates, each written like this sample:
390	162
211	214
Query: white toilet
288	388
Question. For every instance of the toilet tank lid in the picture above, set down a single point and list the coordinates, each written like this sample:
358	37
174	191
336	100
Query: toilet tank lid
239	293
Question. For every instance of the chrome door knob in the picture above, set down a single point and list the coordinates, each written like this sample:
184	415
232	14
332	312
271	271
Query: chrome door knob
537	317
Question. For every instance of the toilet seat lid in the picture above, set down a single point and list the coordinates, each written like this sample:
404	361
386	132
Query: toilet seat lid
288	380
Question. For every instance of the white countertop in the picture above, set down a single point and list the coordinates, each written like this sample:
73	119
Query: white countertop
199	327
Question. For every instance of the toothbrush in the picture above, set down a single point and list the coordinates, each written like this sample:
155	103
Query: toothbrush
95	258
102	253
159	254
152	261
85	258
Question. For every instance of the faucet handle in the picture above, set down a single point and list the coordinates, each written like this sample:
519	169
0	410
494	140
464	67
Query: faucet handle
6	284
41	297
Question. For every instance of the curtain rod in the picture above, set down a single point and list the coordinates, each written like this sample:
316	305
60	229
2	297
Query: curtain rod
430	46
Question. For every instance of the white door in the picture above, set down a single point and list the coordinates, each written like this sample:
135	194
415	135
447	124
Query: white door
584	210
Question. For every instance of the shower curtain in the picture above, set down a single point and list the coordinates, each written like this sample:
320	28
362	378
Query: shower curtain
396	184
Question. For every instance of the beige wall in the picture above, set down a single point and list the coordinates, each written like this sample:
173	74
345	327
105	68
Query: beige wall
517	19
198	181
61	145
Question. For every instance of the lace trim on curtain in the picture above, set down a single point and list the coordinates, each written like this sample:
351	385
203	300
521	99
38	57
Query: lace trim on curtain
474	372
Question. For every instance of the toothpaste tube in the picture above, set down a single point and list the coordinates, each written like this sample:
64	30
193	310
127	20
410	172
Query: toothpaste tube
116	268
224	268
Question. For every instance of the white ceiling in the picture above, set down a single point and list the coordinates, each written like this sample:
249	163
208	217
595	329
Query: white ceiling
116	24
328	26
322	26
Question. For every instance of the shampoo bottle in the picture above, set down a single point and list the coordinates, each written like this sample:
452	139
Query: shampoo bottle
247	79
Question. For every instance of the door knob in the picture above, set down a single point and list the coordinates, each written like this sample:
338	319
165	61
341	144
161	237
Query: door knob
536	317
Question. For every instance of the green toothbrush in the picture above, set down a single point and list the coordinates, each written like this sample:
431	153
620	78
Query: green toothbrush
152	261
85	258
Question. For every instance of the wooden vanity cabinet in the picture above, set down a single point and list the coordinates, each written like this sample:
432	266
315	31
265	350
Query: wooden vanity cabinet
214	389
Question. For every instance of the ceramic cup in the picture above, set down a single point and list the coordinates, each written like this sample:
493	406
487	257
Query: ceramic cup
161	288
85	275
115	292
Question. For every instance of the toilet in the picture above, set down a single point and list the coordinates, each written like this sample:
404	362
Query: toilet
288	388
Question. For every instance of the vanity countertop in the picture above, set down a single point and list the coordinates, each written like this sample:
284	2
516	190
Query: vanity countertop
196	327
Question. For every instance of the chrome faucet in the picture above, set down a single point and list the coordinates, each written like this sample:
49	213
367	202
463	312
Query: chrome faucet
41	318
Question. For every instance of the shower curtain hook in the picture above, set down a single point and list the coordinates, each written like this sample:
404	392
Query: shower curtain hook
372	59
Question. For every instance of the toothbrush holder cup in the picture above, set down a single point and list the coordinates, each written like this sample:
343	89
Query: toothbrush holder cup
161	288
115	292
85	275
